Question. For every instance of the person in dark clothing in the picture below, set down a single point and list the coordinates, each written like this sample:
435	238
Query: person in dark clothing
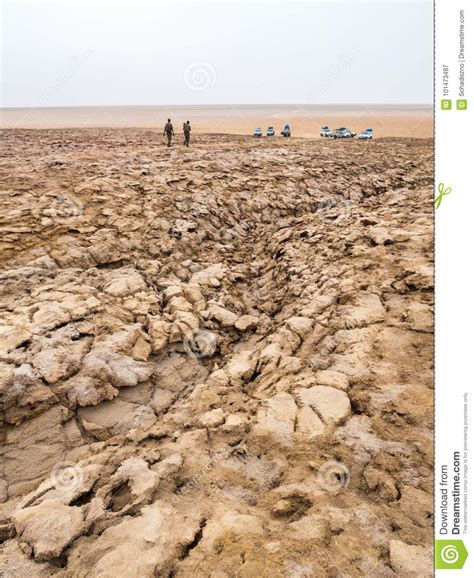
187	132
169	131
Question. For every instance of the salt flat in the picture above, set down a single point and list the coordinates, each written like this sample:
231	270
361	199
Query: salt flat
215	361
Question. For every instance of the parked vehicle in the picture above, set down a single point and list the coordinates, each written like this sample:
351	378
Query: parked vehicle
286	132
326	131
258	132
270	131
366	134
343	133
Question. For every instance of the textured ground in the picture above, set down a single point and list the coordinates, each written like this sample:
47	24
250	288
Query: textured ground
215	361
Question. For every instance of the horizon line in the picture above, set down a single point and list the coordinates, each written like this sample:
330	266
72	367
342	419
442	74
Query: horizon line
392	104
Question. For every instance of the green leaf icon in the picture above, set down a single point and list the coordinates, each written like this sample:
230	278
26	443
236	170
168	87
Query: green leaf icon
442	192
450	554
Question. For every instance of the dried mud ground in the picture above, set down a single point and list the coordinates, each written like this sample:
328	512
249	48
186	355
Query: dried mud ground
215	361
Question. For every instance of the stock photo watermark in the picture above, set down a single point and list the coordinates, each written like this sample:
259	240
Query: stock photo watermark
200	343
332	209
199	76
66	476
65	206
344	62
333	476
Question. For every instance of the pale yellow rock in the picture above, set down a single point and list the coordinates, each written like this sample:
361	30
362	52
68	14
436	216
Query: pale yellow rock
269	357
118	416
49	527
314	528
223	316
11	337
124	282
149	543
421	277
290	364
172	291
277	419
15	564
366	309
379	236
141	350
219	377
193	293
206	276
55	363
158	330
185	326
411	561
246	322
286	341
309	425
332	378
203	397
179	304
331	404
119	370
231	524
162	399
241	366
83	390
212	418
300	325
234	423
317	305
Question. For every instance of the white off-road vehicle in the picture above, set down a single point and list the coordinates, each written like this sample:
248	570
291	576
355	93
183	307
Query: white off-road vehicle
326	131
366	134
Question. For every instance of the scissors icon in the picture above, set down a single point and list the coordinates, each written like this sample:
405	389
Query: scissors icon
442	193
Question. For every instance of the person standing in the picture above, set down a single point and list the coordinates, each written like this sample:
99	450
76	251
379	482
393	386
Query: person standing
169	131
187	133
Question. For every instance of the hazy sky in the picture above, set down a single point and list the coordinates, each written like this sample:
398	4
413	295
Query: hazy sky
108	52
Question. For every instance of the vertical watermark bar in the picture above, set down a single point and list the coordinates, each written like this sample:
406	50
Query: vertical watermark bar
454	315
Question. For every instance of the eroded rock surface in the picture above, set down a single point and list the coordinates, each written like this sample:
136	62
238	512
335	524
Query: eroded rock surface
218	361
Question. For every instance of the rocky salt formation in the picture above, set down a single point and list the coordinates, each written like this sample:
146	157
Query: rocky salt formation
215	362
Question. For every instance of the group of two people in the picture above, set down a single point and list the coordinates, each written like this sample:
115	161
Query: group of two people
170	132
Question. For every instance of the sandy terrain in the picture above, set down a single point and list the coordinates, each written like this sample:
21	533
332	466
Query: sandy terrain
216	361
305	120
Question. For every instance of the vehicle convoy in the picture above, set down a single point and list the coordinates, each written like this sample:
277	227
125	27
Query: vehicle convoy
366	134
326	131
343	132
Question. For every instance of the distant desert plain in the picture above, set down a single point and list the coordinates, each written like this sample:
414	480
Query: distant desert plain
412	121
